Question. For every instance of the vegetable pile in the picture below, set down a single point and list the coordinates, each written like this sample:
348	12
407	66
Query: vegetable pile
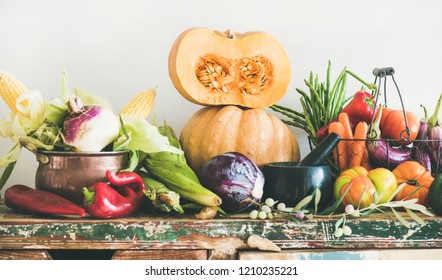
386	158
372	135
157	173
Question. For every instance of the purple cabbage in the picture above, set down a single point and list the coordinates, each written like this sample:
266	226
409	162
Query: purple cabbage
235	178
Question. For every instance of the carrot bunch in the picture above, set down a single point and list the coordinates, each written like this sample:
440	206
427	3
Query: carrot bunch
351	151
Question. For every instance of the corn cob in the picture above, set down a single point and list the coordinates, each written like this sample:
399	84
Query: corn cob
10	89
172	170
170	173
162	198
141	104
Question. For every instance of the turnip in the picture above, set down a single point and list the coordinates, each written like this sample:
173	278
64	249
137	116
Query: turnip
89	128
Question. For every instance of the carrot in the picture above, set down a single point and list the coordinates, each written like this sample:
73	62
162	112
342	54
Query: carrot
365	160
339	154
345	120
359	145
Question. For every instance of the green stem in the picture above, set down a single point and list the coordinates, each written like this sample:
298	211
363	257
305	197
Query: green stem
369	86
434	119
89	196
425	111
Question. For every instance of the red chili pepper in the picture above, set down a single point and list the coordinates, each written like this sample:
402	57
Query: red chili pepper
360	108
122	197
24	198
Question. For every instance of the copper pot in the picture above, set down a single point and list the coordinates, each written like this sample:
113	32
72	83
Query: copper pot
66	173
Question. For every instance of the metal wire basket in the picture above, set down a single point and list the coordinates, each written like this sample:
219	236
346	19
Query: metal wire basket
410	151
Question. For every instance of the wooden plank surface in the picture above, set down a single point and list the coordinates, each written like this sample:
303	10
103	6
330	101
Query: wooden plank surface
160	255
222	236
24	255
381	254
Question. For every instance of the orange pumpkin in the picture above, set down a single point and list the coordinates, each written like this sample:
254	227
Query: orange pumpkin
214	130
214	68
417	180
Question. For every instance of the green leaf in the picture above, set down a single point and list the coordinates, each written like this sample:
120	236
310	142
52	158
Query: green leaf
12	155
56	112
134	160
317	199
6	174
332	208
88	98
65	94
427	212
362	194
415	217
400	218
304	202
142	137
399	188
416	207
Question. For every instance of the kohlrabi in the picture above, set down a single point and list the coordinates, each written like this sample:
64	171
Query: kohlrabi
89	128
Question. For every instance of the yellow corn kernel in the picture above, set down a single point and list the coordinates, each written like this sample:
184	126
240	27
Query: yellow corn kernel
141	104
10	89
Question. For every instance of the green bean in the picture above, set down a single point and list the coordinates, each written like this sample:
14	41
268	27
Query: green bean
336	102
315	84
327	80
312	130
284	112
332	102
314	94
304	95
341	95
292	116
311	77
323	93
369	86
295	124
282	108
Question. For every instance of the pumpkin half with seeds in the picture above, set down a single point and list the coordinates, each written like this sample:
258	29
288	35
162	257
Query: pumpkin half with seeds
214	130
224	68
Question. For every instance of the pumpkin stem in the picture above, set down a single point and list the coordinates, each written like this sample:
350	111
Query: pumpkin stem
230	34
413	182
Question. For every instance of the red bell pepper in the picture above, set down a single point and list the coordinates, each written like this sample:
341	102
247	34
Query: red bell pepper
35	201
122	196
360	108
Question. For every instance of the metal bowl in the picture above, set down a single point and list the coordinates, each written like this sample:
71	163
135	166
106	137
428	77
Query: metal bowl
66	173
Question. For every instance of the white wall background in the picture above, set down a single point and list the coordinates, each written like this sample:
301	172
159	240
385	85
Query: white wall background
118	48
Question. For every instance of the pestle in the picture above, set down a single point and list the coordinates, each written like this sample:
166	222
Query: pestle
318	155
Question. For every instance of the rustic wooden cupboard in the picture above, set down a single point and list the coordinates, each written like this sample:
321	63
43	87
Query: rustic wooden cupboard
24	236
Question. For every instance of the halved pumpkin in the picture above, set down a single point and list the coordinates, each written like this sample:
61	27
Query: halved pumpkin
215	68
214	130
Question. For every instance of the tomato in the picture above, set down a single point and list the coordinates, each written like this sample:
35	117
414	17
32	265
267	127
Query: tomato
393	125
417	180
366	187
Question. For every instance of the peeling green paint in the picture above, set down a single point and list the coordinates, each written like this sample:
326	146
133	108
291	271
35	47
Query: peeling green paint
143	231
